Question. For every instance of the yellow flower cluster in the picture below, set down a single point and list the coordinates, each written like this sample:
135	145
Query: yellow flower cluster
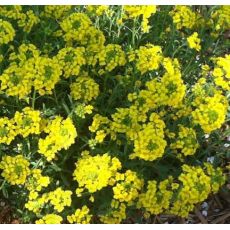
149	143
76	27
125	120
169	90
147	58
84	88
221	18
50	219
217	177
157	197
7	32
95	172
71	60
28	20
127	186
183	17
48	73
137	11
81	216
32	70
58	198
15	81
27	122
186	141
56	11
24	53
13	11
61	134
25	20
96	10
82	109
116	213
7	130
221	72
210	114
194	41
15	169
35	182
196	186
98	122
110	57
23	123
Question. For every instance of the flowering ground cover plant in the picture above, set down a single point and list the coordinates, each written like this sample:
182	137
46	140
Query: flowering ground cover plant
112	112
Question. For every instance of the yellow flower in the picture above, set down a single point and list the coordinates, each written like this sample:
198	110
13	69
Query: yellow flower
61	134
15	169
147	58
115	214
81	216
7	32
183	16
27	122
50	219
111	56
94	173
84	88
194	41
127	188
71	60
7	130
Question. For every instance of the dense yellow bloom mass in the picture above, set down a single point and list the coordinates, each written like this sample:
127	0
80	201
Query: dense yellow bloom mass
157	197
125	120
95	173
135	84
7	32
127	187
48	73
59	199
194	41
7	130
144	11
75	26
27	122
196	186
221	72
186	141
84	88
50	219
221	18
24	53
15	169
110	57
35	182
147	58
61	134
71	59
56	11
210	114
168	90
183	16
81	216
115	214
150	144
16	81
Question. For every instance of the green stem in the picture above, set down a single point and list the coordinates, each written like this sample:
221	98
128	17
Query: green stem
34	99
